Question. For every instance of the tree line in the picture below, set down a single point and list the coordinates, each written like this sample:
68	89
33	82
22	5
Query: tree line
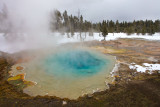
62	22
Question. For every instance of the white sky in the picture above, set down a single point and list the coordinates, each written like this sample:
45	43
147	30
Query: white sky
92	10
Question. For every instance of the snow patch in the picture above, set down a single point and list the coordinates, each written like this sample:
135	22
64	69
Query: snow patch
145	67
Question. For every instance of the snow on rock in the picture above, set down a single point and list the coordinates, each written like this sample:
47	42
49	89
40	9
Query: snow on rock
145	67
64	102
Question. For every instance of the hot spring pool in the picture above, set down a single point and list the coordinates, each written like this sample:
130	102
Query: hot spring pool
76	63
69	73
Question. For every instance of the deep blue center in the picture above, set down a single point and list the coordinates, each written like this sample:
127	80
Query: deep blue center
79	60
76	62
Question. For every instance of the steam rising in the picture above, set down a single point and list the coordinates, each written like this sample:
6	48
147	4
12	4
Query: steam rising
33	14
29	25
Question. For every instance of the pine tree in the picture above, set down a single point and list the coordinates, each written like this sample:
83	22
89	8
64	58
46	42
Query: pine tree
71	21
104	29
55	20
117	27
81	26
91	31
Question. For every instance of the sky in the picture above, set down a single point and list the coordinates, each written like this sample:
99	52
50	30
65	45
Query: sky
92	10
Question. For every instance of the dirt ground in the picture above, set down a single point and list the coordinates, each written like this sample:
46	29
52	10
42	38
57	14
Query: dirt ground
130	88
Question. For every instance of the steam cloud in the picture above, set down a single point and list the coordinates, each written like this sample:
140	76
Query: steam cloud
30	25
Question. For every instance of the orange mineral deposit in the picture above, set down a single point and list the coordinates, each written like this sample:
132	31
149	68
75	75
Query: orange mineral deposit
19	68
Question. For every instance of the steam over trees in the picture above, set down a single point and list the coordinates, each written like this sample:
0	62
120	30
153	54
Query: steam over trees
4	21
10	29
62	22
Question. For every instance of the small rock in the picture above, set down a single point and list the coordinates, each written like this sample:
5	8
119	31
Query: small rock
90	95
109	85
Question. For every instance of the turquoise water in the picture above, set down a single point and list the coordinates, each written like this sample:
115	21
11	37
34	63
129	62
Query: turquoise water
78	63
68	73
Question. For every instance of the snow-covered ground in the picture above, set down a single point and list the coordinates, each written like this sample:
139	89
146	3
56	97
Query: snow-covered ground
145	67
39	41
110	36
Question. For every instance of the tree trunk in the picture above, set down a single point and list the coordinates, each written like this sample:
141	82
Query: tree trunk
99	34
85	35
68	35
80	36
